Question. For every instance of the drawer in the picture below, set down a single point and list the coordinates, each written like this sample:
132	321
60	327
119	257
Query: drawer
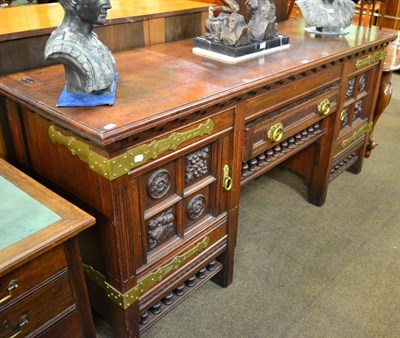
32	312
366	61
71	320
175	139
352	136
24	279
303	85
276	126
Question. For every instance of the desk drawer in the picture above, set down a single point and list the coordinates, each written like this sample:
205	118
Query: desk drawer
23	280
270	129
40	307
355	135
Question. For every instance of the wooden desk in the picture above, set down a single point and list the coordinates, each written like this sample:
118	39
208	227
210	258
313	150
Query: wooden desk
43	291
163	167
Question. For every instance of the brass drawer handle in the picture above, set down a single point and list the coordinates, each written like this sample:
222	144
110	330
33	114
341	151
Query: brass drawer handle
275	133
324	107
22	322
226	179
11	286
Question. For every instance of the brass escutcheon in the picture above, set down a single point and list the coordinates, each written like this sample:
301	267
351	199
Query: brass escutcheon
324	107
275	133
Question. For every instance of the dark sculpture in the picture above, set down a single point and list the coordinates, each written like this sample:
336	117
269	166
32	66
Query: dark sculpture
89	64
226	25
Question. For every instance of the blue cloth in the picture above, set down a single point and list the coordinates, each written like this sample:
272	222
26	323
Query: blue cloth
87	100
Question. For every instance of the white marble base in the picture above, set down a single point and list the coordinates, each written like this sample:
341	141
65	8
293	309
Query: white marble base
232	60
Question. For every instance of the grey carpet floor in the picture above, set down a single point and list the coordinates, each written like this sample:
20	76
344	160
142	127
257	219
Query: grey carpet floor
308	271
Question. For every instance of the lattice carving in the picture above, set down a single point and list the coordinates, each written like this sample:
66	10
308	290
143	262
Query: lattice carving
197	164
196	206
286	146
161	228
159	183
358	109
350	88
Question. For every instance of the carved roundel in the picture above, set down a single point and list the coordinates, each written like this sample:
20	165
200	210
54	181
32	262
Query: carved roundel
196	206
159	183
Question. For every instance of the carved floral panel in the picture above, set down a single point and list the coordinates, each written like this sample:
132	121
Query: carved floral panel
197	165
161	228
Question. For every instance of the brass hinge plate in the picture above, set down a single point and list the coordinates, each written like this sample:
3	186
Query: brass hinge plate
357	135
130	159
125	300
371	59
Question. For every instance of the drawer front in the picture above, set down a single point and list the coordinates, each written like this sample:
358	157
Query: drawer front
367	60
175	139
30	313
265	102
72	321
24	279
267	131
354	136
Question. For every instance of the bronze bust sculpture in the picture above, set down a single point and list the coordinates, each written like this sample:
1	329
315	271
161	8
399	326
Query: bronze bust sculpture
327	16
89	64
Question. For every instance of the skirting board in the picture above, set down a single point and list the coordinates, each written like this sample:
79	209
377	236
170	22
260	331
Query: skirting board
232	60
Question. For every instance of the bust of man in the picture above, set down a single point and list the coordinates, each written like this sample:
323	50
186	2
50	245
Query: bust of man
89	64
327	13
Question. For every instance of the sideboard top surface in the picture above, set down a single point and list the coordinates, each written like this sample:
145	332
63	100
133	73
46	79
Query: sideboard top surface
161	82
24	21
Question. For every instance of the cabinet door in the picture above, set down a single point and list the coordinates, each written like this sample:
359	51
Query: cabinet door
360	92
181	217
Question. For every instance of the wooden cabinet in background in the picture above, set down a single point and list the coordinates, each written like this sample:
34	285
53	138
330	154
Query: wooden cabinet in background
43	291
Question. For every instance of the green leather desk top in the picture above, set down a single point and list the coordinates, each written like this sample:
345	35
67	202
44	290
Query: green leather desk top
20	214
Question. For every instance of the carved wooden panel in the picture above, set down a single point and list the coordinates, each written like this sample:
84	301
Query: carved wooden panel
196	206
161	227
197	165
160	184
176	195
354	108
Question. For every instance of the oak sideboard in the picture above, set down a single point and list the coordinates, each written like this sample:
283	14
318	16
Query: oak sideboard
161	170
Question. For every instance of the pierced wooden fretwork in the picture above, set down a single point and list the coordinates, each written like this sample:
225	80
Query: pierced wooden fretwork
196	206
343	164
273	156
197	164
159	183
168	301
161	228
